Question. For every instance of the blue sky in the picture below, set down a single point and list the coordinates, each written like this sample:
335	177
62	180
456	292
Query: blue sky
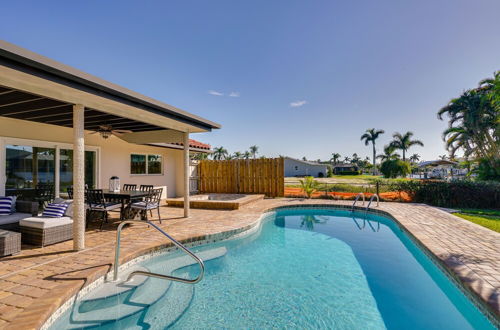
298	78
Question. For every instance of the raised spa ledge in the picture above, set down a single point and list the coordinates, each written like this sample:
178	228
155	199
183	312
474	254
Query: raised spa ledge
216	201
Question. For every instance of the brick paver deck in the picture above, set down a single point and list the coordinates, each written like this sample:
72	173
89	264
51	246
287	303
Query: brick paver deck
34	283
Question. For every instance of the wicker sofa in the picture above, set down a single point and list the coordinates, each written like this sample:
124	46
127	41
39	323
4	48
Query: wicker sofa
42	231
24	209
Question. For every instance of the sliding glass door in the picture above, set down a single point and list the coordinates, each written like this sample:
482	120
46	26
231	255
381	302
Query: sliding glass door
28	166
66	169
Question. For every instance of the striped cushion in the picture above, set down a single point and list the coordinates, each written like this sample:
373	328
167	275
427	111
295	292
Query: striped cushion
55	210
6	205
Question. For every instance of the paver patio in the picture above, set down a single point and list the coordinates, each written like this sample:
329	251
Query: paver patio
34	283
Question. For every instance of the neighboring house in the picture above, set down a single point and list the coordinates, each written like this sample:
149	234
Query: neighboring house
297	167
38	98
339	169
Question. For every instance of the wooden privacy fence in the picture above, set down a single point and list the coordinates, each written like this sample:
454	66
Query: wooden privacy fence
242	176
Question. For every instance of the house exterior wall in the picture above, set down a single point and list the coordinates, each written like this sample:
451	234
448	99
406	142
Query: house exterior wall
298	168
113	155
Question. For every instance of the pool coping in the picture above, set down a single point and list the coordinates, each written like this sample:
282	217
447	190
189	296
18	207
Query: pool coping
67	297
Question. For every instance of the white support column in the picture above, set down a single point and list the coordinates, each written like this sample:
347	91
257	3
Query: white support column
78	178
186	174
57	174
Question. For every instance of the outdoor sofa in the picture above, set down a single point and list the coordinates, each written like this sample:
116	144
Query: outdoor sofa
42	230
24	209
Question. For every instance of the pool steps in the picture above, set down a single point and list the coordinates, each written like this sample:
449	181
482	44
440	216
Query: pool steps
118	300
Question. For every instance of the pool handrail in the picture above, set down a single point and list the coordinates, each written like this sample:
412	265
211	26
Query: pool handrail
356	199
371	200
139	272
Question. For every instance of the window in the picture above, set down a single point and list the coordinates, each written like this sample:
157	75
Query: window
296	168
145	164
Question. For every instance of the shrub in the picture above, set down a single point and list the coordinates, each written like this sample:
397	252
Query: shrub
308	185
393	168
349	173
456	194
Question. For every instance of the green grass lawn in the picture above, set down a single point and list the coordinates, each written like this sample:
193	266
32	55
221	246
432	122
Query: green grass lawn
486	218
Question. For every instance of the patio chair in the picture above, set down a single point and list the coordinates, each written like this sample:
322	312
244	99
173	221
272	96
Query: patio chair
150	203
69	190
146	187
98	204
44	193
129	187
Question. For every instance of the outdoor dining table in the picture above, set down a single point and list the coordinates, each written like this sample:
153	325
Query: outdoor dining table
126	198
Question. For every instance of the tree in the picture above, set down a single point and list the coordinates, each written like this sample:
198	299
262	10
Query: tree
474	126
393	168
247	154
237	155
414	158
372	135
308	185
355	158
335	158
404	142
347	159
199	156
254	150
304	158
219	153
389	153
443	157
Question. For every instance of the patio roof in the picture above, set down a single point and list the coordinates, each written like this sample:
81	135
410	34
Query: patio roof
36	88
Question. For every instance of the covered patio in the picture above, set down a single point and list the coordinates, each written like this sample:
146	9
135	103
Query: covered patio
36	89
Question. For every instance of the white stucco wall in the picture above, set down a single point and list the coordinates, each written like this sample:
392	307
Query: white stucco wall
297	168
113	155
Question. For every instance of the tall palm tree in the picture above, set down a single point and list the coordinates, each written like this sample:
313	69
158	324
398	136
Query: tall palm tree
247	154
347	159
335	158
404	142
389	153
372	135
254	151
237	155
473	124
414	158
219	153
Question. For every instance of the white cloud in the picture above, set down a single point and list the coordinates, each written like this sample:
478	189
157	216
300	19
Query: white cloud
234	94
297	104
212	92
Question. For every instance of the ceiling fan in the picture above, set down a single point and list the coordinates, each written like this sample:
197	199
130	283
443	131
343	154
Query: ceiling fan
107	130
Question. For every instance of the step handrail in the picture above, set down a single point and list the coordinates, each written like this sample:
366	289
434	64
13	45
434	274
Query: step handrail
371	200
116	265
356	199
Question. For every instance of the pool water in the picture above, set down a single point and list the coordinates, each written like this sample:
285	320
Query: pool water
304	269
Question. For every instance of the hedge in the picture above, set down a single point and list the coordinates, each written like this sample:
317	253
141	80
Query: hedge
455	194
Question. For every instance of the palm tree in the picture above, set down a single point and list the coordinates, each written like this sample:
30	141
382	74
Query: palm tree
388	153
355	158
308	185
414	158
335	158
347	159
372	135
404	142
247	154
254	151
237	155
443	157
473	123
219	153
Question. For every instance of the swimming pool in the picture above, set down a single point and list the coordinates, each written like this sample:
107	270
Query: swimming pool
304	268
